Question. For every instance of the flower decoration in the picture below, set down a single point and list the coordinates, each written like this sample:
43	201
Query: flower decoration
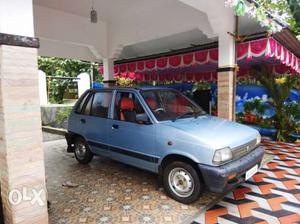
280	81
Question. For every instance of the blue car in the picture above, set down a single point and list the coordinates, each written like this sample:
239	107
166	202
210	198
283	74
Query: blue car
162	131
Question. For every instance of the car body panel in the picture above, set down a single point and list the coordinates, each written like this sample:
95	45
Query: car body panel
136	138
146	145
215	132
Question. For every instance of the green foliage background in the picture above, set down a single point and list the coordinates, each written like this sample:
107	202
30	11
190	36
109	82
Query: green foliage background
64	68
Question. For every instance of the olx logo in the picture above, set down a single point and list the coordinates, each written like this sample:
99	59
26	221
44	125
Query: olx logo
34	196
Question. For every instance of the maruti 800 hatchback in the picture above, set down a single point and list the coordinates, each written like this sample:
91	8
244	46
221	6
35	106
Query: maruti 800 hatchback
162	131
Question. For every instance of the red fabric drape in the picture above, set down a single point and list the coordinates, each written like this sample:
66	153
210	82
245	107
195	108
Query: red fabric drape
162	77
141	65
189	76
242	50
123	68
213	54
175	60
150	64
162	62
258	46
188	58
116	68
192	64
201	56
131	66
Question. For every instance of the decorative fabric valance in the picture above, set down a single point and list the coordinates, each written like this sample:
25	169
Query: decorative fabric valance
202	65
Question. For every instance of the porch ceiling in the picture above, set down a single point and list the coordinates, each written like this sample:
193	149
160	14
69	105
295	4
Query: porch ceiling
125	29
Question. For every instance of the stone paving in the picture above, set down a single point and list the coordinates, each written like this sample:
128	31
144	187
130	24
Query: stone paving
110	192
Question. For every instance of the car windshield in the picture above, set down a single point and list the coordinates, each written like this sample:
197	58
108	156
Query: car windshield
170	105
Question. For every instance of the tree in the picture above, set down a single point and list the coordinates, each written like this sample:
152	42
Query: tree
294	6
279	90
60	67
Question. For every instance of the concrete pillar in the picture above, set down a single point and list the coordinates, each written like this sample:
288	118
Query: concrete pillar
83	83
21	155
43	88
108	70
226	77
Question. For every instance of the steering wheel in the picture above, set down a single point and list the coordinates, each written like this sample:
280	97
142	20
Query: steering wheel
160	109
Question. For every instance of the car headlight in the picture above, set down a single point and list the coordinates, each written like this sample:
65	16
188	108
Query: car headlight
258	139
222	155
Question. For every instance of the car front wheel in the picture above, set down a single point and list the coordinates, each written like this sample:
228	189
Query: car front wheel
82	151
182	182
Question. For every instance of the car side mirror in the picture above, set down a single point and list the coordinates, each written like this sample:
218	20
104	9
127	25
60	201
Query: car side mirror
142	119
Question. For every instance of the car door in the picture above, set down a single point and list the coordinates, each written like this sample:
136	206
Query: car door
132	142
97	123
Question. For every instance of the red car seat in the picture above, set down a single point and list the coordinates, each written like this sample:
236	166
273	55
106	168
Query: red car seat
127	112
152	103
178	106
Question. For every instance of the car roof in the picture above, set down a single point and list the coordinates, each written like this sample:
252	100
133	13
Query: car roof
130	88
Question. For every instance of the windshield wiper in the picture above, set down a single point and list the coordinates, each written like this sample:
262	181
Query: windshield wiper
196	113
183	115
199	113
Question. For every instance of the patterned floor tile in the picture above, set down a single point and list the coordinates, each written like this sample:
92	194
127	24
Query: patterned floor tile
275	189
111	192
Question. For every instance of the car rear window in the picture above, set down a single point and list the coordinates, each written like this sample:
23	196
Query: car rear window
101	104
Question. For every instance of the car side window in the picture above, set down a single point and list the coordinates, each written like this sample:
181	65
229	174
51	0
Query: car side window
128	108
101	104
87	109
81	104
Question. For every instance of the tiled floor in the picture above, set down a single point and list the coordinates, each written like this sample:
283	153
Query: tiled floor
271	196
111	192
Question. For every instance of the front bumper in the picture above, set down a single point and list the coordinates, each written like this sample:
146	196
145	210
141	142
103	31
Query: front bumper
216	177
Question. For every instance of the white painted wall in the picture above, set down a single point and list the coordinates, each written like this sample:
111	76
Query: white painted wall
83	83
21	17
43	88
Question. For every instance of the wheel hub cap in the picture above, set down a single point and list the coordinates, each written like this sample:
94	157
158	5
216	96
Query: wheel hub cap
181	182
80	151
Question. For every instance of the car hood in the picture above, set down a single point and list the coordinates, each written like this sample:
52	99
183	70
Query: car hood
215	132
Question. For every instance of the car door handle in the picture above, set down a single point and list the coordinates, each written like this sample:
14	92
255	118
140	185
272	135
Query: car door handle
115	126
82	121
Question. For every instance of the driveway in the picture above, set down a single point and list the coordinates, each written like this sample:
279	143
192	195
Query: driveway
110	192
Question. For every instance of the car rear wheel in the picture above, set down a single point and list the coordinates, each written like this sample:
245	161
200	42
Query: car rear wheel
82	151
182	182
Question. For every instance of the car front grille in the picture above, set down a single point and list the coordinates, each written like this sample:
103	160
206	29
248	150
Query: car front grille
242	150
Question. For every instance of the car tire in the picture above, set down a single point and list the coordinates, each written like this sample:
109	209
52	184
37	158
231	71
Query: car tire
82	151
182	182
